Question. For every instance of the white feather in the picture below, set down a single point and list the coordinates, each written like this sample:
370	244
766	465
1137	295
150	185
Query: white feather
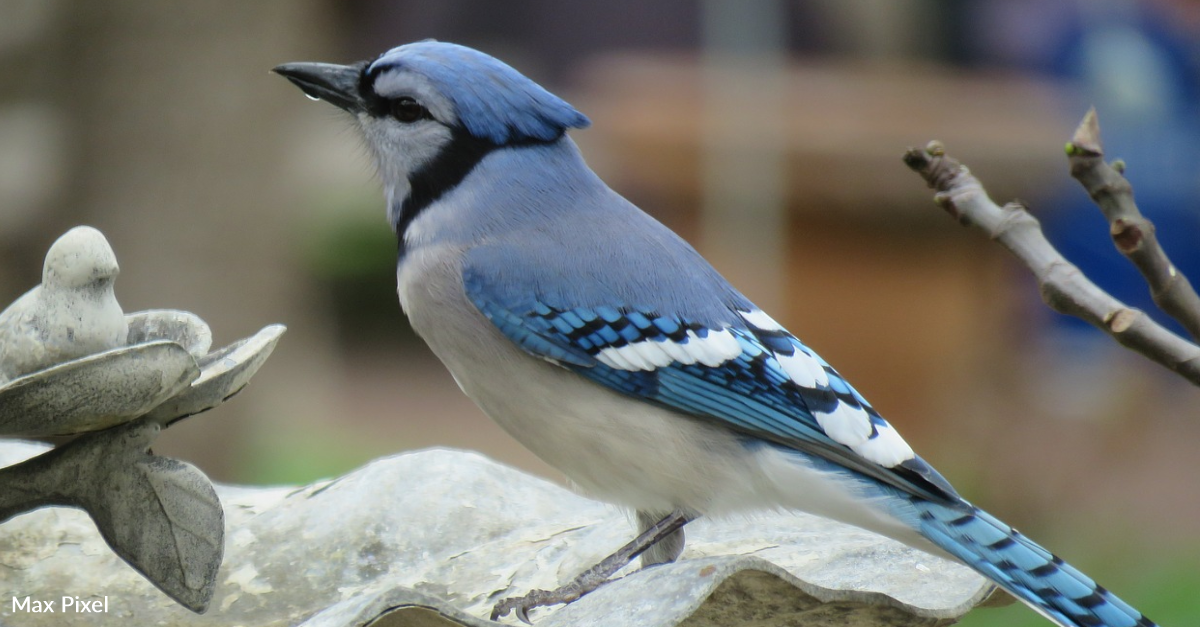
816	365
713	350
801	368
886	449
614	358
652	353
678	352
846	424
634	356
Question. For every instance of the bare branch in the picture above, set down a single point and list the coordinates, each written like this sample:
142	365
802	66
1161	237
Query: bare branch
1131	232
1064	288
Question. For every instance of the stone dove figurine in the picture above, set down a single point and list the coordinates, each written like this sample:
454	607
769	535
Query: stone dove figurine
72	314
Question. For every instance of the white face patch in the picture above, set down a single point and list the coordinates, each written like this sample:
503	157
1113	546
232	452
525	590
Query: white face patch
401	149
887	448
712	350
760	320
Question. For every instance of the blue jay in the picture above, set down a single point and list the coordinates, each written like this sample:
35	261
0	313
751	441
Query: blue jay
610	348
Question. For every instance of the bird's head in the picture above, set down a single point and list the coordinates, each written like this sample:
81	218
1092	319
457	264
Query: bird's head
434	108
80	258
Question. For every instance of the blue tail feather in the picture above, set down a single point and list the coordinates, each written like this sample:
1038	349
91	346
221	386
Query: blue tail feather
1021	567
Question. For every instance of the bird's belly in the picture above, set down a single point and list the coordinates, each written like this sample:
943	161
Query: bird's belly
616	449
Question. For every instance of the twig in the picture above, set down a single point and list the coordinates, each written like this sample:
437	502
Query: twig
1064	288
1132	233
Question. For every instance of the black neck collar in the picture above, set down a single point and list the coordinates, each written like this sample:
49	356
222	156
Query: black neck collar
444	172
432	180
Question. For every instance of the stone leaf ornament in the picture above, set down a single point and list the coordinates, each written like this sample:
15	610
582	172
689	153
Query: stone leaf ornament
160	515
72	363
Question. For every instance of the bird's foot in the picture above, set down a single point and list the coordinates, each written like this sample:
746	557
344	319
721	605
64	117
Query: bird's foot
595	576
562	595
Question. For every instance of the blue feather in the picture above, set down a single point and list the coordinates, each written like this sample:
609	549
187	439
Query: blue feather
1021	566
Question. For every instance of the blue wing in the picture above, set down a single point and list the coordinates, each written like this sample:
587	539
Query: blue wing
750	375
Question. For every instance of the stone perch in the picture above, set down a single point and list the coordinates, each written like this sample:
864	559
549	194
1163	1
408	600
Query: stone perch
433	538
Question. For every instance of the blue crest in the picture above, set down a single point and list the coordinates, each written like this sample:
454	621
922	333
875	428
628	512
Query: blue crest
493	101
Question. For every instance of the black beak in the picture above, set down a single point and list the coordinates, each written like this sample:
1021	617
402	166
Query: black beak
336	84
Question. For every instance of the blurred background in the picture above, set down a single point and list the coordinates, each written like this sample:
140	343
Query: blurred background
767	132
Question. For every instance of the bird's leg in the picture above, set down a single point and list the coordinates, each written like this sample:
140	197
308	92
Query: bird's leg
598	575
666	549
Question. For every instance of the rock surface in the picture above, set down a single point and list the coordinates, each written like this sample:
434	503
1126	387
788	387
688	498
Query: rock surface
435	537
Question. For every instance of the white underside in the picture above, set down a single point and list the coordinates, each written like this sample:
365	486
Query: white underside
613	447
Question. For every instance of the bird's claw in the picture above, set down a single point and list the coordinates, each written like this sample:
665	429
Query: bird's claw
597	575
536	598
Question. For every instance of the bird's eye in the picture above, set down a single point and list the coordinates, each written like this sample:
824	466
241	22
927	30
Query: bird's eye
408	110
